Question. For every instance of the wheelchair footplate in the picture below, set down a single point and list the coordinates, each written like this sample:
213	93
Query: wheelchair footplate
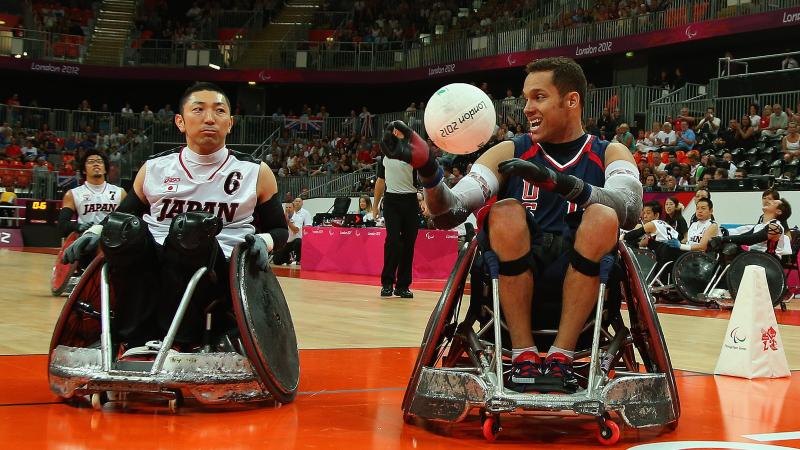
641	399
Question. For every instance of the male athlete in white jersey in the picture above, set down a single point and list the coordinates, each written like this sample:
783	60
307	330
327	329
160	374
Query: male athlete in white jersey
768	236
189	208
93	200
655	229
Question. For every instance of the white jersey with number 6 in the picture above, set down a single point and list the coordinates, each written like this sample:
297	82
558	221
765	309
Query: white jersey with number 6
229	192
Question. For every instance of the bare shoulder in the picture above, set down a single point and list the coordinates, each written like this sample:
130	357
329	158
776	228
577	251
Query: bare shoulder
267	185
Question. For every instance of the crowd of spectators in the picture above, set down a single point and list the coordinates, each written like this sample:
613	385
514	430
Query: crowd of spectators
27	142
183	22
74	17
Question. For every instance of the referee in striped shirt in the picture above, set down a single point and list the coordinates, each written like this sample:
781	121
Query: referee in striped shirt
400	213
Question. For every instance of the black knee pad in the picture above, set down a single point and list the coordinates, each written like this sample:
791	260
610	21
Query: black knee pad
124	234
583	265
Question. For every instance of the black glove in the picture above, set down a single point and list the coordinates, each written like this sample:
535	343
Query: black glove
258	249
532	172
83	245
411	148
715	243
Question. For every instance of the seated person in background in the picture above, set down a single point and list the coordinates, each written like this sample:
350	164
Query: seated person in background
769	236
791	143
686	138
745	133
296	218
740	174
778	121
644	143
673	216
625	137
652	230
767	196
721	174
728	138
365	208
701	230
666	137
708	127
8	200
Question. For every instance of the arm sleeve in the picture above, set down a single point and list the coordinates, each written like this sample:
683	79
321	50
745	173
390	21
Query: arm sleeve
450	208
634	235
749	238
65	223
131	204
269	218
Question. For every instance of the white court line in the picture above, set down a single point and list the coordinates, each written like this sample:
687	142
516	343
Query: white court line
787	436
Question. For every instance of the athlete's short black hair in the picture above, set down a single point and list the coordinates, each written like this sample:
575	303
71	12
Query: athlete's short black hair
92	152
568	75
201	86
654	206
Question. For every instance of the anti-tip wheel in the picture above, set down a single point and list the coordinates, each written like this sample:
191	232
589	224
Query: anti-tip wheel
491	428
608	432
98	400
176	403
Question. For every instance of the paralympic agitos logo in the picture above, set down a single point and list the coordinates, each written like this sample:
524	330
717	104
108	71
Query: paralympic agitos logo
736	335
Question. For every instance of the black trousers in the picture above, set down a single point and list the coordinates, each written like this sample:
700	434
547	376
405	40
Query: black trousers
282	256
148	282
400	213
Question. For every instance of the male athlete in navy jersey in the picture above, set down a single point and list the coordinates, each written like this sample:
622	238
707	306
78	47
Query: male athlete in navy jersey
539	178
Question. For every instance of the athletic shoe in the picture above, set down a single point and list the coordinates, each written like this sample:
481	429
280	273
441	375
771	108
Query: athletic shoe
526	373
558	374
386	291
403	293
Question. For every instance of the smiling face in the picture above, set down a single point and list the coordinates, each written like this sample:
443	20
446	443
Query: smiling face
552	117
771	207
206	120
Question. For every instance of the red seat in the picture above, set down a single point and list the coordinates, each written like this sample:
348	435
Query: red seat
637	157
680	155
651	159
665	157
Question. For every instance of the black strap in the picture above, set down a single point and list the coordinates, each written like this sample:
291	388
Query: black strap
583	265
270	219
517	266
65	223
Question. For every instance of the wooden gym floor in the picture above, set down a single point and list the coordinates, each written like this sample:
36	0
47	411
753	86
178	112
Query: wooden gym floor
357	351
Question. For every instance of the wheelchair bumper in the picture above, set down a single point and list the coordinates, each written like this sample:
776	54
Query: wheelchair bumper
642	400
209	377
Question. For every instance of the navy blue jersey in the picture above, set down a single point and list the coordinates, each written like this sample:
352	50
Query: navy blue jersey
583	158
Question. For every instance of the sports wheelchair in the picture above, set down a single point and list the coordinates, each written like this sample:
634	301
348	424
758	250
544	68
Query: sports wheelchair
65	276
257	361
464	356
710	278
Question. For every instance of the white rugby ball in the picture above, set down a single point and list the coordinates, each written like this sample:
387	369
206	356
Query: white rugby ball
460	118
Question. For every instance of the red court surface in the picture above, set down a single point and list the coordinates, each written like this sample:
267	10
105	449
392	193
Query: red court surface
350	399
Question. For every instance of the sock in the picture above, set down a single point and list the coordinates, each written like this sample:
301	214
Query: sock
570	354
515	352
